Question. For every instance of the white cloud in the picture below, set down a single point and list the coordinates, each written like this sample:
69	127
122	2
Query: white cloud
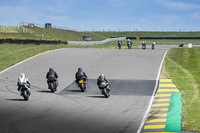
179	5
195	16
57	18
9	10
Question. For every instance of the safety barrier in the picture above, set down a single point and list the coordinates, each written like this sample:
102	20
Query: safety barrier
95	42
30	41
133	38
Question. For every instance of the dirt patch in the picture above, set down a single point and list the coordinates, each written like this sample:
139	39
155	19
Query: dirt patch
163	76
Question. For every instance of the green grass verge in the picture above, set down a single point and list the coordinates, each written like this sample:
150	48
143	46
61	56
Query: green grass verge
182	65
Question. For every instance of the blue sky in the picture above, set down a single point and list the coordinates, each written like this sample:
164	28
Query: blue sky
105	15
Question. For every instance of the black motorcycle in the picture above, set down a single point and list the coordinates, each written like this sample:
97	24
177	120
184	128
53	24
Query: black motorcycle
129	45
82	84
119	45
52	84
153	46
143	46
25	91
105	89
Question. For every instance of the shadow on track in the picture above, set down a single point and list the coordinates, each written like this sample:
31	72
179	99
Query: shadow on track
45	91
96	96
15	99
118	87
74	90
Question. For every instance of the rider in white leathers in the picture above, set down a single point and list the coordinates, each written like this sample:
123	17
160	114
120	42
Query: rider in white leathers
23	79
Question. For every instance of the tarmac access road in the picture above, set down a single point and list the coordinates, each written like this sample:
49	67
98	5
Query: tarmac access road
132	74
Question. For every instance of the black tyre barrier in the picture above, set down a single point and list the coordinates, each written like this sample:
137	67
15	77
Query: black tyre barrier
134	38
30	41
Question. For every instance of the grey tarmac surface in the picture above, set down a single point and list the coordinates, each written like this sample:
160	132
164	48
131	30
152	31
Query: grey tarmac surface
167	46
132	74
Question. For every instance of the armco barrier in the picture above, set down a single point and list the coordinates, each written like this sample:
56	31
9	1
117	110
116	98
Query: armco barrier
95	42
28	41
133	38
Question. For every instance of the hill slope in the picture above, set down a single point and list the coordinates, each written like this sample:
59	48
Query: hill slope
69	35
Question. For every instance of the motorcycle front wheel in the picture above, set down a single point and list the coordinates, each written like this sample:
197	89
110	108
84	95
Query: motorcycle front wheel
25	95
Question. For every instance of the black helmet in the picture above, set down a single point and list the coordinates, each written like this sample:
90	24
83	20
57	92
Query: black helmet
51	69
79	69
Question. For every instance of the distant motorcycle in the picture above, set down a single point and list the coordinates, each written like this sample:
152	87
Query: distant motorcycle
82	84
105	89
119	45
25	91
129	45
143	45
52	84
153	46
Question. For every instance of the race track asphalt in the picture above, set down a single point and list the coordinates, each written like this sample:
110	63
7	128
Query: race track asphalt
132	74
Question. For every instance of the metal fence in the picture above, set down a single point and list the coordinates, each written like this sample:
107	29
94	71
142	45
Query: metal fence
14	29
95	42
43	26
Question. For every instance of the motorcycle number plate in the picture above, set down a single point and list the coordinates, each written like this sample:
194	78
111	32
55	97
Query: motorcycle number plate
80	81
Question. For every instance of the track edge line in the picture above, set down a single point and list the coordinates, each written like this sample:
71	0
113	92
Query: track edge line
154	92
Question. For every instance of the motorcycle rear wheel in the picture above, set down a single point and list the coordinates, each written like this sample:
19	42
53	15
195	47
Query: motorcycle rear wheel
51	86
82	87
106	92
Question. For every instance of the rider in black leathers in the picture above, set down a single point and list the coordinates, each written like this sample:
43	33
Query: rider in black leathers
119	43
80	74
53	74
129	43
101	79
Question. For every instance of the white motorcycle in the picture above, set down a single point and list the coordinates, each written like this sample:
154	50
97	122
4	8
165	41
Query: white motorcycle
25	90
105	89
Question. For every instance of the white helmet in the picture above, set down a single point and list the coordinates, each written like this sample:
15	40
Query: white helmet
101	74
22	78
22	75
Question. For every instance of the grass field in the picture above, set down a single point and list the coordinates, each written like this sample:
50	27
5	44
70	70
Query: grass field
69	35
183	66
148	34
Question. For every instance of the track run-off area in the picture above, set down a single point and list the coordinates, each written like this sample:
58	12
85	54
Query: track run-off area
133	75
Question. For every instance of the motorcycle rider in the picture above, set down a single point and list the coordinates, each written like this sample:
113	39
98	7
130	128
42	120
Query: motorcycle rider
79	74
144	45
153	45
119	43
23	79
53	74
100	80
129	43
